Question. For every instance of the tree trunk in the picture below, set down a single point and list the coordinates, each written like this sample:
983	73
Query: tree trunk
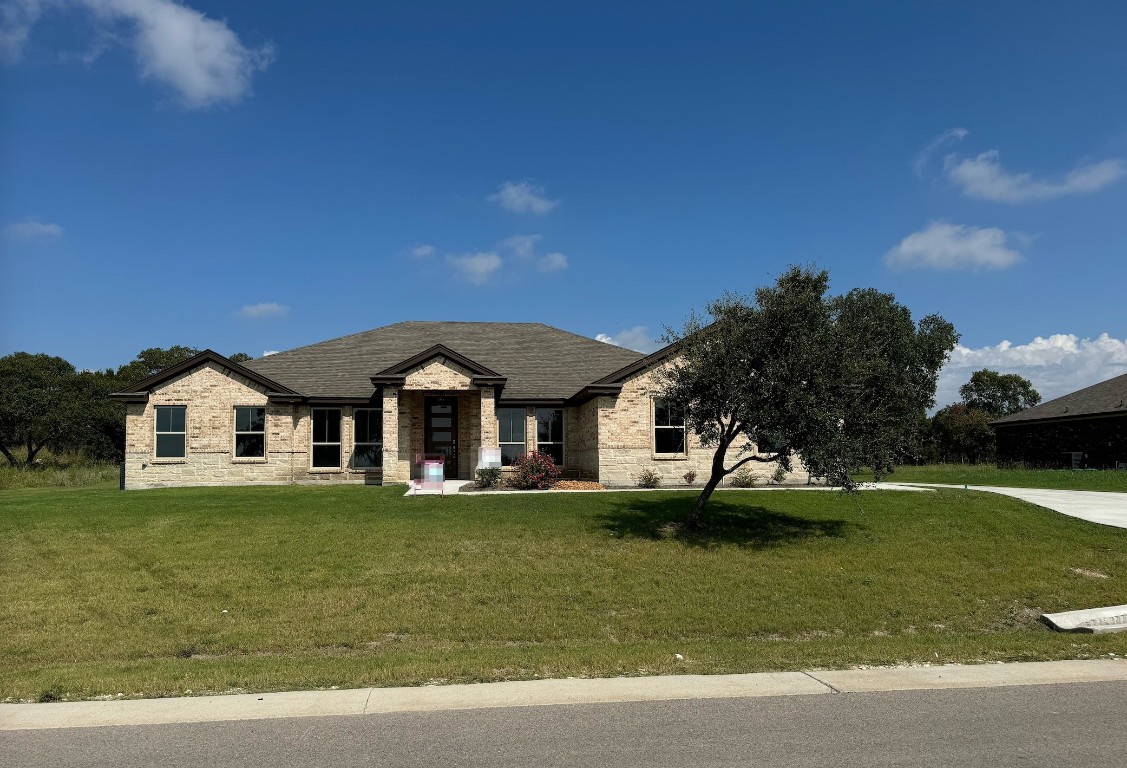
693	521
8	455
718	473
31	452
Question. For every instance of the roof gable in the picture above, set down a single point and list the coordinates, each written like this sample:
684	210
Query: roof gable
139	392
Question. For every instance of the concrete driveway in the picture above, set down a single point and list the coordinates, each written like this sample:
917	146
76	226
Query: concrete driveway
1096	506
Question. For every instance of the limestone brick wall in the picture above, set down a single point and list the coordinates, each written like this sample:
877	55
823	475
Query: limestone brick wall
586	438
210	394
626	442
439	374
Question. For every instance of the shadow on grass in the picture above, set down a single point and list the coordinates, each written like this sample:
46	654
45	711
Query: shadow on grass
755	527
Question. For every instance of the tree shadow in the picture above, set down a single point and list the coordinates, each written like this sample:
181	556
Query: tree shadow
755	527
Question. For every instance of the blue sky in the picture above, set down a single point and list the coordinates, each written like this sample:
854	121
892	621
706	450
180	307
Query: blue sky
254	176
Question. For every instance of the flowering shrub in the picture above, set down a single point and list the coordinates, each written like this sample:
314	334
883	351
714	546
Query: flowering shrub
534	470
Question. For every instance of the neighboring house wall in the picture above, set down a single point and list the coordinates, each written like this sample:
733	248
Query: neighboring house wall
626	442
1100	441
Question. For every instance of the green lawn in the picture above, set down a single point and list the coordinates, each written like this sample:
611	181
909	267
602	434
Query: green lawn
158	593
988	474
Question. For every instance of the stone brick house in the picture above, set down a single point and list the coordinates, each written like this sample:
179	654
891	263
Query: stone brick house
363	408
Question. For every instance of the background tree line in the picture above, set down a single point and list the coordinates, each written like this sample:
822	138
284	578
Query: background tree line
961	432
45	403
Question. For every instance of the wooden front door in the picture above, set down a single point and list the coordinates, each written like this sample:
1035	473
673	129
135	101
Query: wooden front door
440	430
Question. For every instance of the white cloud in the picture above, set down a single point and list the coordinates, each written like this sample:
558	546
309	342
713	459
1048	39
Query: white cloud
265	310
522	246
984	178
1057	365
201	59
269	352
949	136
523	197
423	251
476	267
636	338
552	262
946	246
31	230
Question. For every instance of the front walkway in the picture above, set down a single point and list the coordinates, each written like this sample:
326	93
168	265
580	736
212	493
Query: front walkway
1104	507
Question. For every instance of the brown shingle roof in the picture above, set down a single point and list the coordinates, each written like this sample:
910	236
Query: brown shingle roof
540	362
1107	397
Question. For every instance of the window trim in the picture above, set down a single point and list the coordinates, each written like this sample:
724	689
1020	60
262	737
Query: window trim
563	434
523	420
356	443
684	452
157	458
313	443
235	432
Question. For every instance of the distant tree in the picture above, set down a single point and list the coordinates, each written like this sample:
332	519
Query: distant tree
152	361
998	394
240	357
839	380
41	405
963	434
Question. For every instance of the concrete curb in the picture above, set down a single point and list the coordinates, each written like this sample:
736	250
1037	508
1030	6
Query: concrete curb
534	693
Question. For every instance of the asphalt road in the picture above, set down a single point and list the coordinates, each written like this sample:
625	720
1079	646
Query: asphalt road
1044	725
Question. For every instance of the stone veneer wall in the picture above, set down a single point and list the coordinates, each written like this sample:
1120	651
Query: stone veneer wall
626	442
210	394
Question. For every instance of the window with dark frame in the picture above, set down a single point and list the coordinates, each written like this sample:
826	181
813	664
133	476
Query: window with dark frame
549	433
510	434
171	435
250	432
367	446
669	428
326	438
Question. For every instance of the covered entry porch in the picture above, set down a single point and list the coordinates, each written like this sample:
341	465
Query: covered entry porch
437	403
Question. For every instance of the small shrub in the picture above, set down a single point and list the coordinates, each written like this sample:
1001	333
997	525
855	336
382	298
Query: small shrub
534	470
780	474
488	477
690	477
648	479
742	479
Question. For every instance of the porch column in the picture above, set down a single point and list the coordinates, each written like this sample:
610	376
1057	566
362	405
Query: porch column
391	436
488	418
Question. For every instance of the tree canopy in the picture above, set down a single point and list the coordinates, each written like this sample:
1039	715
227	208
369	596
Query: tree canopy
840	380
46	403
998	394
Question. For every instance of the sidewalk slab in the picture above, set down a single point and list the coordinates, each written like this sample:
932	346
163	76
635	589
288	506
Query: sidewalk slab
974	675
186	709
535	693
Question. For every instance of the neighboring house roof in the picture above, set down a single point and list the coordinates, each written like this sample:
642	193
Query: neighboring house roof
536	361
1104	399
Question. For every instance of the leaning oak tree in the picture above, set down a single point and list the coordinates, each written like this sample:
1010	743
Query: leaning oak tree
41	405
840	381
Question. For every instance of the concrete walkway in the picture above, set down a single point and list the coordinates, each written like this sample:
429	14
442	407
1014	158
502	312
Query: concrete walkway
532	693
1104	507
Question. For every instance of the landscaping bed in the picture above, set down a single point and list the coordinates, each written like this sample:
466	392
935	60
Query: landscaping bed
196	590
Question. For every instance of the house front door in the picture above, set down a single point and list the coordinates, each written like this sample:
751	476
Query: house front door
440	430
